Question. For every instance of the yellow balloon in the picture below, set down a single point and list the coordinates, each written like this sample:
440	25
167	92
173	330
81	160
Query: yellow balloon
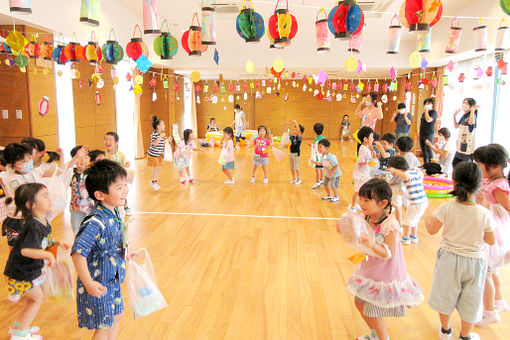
415	59
278	65
195	76
250	66
351	64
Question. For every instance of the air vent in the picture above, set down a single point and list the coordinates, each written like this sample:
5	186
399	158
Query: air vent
227	8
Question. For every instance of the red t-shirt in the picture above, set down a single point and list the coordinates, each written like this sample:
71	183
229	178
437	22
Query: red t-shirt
261	145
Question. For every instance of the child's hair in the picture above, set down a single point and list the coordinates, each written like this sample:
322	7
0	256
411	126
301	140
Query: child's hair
24	194
39	145
365	132
471	102
389	137
94	154
210	120
376	136
155	124
15	152
405	144
318	128
378	190
429	101
75	150
262	127
398	162
373	96
237	107
401	106
2	159
114	135
346	116
492	155
186	134
444	132
301	128
228	130
101	175
325	143
467	179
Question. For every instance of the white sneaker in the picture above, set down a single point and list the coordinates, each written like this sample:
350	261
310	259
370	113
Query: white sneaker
414	239
334	199
31	330
298	181
488	318
229	181
26	337
316	185
265	180
443	336
367	337
182	180
406	240
501	306
154	185
293	181
252	180
473	336
327	197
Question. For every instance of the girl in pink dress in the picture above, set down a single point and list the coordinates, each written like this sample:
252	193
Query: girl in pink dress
492	159
381	285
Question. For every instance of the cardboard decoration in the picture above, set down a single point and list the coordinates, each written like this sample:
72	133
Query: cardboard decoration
112	51
395	35
424	41
321	32
208	24
150	17
89	12
282	26
166	45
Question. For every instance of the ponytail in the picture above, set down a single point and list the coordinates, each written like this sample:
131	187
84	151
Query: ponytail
467	178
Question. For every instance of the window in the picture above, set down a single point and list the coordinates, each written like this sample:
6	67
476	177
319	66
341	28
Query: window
65	107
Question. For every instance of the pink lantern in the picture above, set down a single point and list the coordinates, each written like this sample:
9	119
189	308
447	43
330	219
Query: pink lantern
454	36
151	17
321	32
356	41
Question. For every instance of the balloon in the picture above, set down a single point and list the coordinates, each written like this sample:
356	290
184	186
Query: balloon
350	64
250	66
195	76
278	65
415	59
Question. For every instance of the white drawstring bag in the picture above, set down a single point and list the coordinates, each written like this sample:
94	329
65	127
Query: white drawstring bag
60	278
58	186
223	157
167	154
144	295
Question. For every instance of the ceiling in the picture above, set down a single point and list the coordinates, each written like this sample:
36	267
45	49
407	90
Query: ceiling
61	16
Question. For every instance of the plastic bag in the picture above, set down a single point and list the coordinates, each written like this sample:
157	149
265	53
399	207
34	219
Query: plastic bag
167	154
352	226
144	294
278	154
223	157
314	155
285	139
60	278
58	186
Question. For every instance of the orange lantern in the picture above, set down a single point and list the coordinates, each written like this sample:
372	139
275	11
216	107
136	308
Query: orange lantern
191	40
93	53
74	51
32	48
137	47
420	15
46	49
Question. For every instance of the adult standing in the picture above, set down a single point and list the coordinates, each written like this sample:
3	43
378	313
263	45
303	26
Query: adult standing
371	111
427	129
467	131
240	124
403	120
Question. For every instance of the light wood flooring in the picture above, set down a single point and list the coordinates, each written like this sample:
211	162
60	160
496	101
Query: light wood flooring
228	276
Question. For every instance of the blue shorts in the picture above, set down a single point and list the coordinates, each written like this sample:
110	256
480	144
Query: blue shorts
99	313
259	160
228	166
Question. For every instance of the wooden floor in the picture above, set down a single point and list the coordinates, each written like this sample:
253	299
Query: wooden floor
228	276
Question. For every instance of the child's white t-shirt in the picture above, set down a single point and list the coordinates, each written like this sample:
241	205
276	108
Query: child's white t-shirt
463	228
364	156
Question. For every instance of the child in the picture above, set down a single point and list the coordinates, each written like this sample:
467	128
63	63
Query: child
492	160
156	150
260	157
47	168
96	155
318	128
81	203
3	209
418	201
240	124
99	252
227	144
396	290
445	150
330	162
405	149
361	173
295	151
24	269
460	267
183	155
403	121
111	143
386	150
345	128
212	125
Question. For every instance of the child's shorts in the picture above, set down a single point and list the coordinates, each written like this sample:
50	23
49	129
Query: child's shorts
319	167
259	160
373	311
294	161
99	313
16	288
414	213
154	161
359	181
181	163
396	196
335	182
458	283
228	166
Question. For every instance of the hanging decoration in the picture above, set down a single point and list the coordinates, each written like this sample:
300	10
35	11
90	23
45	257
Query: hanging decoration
93	53
393	73
46	49
505	6
250	24
322	77
282	26
16	42
216	57
195	76
480	37
150	17
143	63
278	65
424	41
32	48
501	64
345	20
420	15
356	42
321	32
424	63
97	98
44	106
74	51
58	53
502	37
136	47
461	78
191	40
454	36
250	66
112	51
489	71
208	24
20	6
89	12
395	35
415	59
166	45
350	64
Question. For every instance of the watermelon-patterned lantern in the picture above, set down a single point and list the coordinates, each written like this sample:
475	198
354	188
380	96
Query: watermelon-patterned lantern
32	48
93	53
150	17
191	40
250	24
282	26
420	15
345	20
208	24
112	51
20	6
136	47
166	45
74	51
89	12
321	32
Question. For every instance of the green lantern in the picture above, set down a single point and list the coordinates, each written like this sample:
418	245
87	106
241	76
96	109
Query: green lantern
505	6
250	25
112	51
89	12
166	45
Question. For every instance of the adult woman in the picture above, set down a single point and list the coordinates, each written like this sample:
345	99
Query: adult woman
240	124
371	112
427	129
467	130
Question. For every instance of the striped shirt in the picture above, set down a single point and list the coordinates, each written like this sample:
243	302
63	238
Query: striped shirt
415	189
156	150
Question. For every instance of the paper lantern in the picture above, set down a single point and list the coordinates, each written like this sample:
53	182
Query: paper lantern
59	56
345	19
250	25
415	59
89	12
350	64
136	47
112	51
505	6
20	6
282	26
250	66
46	49
480	37
32	48
356	42
150	17
208	24
321	32
44	106
191	40
420	15
424	41
74	51
92	52
395	30
166	45
502	37
454	36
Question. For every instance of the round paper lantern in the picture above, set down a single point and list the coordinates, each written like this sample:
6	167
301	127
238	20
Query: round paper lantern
32	48
250	66
337	21
20	6
166	45
46	49
351	64
191	40
89	12
74	51
112	51
195	76
278	65
150	17
415	59
355	19
480	37
59	56
321	32
502	37
250	25
282	26
208	24
454	36
422	14
92	52
136	47
395	30
505	6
